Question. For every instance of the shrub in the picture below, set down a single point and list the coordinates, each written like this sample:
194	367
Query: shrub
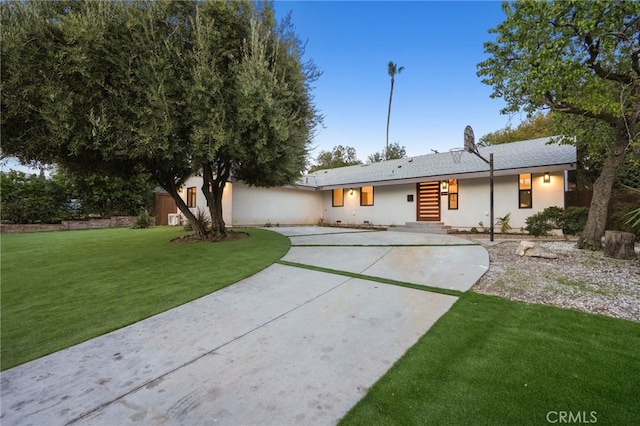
503	222
621	211
575	219
541	223
144	220
537	225
474	230
202	218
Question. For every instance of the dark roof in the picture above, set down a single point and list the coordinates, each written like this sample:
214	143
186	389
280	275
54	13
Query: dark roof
513	156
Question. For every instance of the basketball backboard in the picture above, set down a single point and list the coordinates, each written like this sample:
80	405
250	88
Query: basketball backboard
469	140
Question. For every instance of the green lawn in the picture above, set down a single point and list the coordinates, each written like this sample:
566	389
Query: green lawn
62	288
492	361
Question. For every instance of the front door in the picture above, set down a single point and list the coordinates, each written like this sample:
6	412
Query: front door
429	201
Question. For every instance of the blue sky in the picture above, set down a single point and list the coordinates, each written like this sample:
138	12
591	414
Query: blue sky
438	42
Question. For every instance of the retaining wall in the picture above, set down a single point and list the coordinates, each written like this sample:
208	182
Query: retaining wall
112	222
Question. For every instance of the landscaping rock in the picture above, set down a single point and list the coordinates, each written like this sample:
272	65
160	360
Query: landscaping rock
531	249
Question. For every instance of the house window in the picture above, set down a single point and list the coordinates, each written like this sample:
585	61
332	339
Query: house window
453	194
366	196
338	197
191	196
524	191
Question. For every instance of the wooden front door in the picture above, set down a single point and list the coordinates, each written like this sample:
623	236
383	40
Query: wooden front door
163	204
429	201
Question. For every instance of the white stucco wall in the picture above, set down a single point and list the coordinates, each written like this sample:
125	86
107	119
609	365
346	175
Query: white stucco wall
390	206
473	199
244	205
284	206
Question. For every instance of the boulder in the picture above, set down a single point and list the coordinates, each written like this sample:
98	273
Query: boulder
531	249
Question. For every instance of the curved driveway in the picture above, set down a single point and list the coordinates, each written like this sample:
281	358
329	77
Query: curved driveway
293	344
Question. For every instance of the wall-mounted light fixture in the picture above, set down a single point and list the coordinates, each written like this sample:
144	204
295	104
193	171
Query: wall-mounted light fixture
444	186
350	191
546	178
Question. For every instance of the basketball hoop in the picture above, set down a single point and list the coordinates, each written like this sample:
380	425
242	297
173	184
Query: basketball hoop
456	153
469	140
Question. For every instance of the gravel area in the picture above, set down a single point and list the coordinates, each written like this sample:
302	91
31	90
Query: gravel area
579	279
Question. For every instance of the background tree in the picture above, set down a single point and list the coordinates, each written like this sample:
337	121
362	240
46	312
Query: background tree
31	198
170	88
339	156
392	70
578	58
539	125
393	152
108	196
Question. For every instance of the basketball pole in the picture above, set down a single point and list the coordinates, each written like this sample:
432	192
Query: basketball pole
491	193
490	162
470	145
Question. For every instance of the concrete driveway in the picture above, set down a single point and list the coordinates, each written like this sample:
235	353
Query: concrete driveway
289	345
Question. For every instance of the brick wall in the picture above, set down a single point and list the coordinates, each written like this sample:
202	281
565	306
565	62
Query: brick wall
112	222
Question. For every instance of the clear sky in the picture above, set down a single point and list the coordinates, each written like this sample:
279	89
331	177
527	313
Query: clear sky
438	42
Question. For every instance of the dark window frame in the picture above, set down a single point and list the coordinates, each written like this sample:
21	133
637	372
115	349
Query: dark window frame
333	197
529	191
192	196
373	192
452	194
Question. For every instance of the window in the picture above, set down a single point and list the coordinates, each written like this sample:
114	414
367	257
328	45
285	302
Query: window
338	198
524	191
191	196
366	196
453	194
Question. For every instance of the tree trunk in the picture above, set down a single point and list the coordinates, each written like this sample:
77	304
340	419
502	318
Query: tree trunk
386	151
197	227
620	245
213	188
597	219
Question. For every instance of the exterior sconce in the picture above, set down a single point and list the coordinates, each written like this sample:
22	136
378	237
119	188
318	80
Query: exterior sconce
546	178
351	191
444	186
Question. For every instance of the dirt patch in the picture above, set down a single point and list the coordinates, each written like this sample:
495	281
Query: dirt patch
192	238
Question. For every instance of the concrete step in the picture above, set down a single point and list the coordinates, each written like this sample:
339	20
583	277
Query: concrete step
425	227
434	230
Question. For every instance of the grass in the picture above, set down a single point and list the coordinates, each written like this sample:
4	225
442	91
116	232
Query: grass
499	362
372	278
62	288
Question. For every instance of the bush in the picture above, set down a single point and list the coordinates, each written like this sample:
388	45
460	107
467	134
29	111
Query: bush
621	208
202	219
503	223
575	219
572	220
33	198
144	220
541	223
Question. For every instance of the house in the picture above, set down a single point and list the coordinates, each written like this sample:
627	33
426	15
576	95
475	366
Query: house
529	176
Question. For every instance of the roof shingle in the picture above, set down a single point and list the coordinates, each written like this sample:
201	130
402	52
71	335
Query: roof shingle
516	155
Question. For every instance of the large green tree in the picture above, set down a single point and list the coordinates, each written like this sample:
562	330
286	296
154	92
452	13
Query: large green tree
173	88
578	58
339	156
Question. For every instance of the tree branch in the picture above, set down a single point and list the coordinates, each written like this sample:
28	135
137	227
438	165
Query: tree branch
569	109
593	48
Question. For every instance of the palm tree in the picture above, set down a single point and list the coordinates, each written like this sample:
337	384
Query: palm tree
392	70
